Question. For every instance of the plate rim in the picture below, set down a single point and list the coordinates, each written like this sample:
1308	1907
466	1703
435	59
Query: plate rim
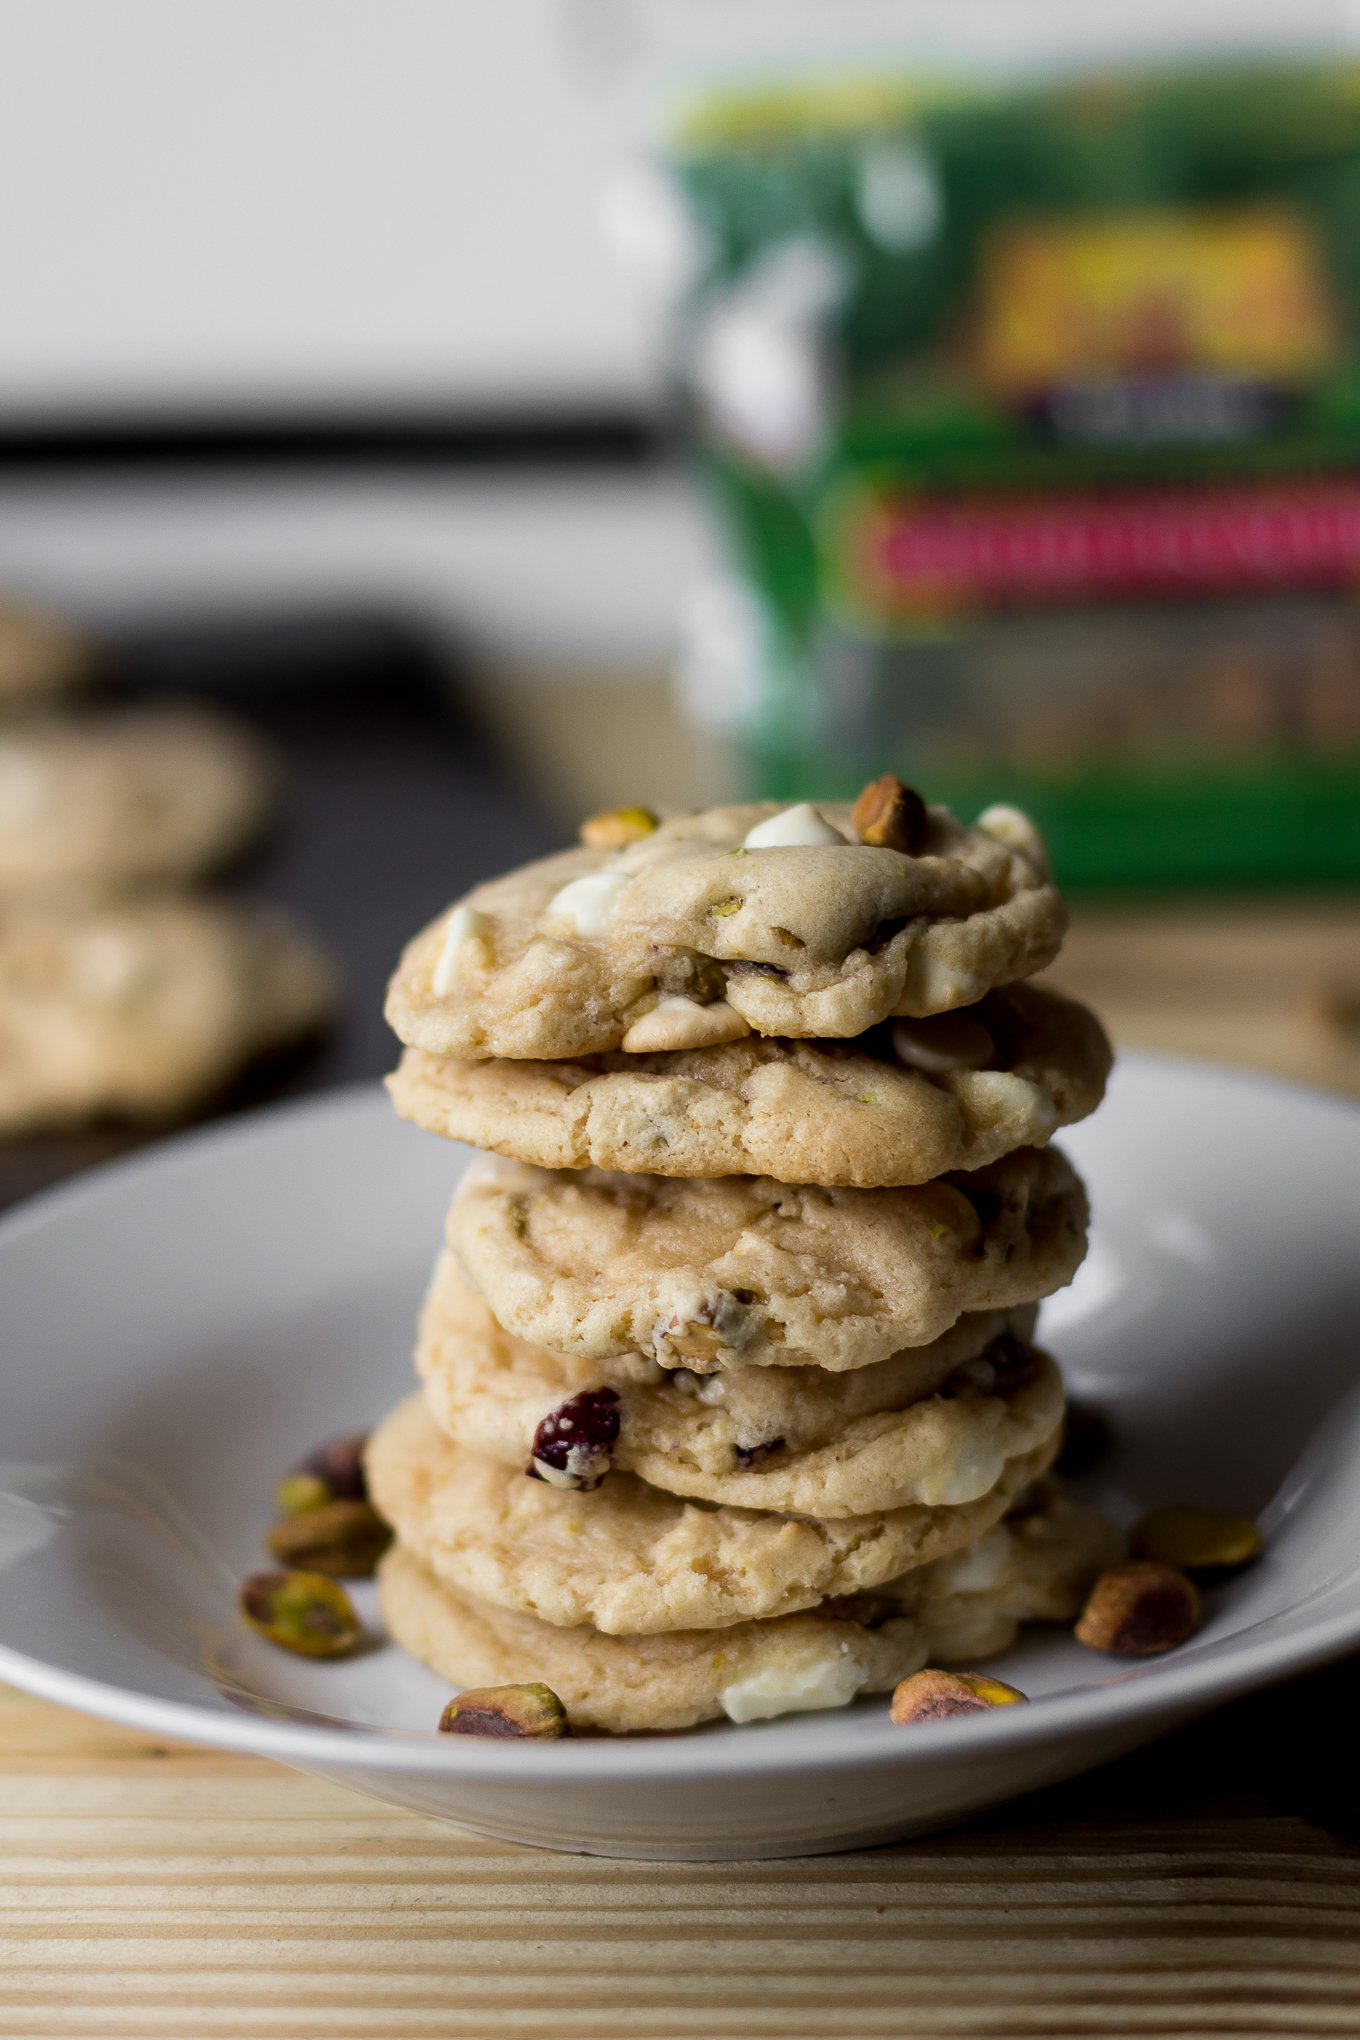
1185	1685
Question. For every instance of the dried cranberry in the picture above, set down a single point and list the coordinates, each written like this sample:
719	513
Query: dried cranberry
572	1445
756	1455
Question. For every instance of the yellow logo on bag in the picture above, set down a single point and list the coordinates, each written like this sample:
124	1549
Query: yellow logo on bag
1114	297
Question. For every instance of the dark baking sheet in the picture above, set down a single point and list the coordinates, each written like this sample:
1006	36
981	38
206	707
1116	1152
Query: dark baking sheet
394	802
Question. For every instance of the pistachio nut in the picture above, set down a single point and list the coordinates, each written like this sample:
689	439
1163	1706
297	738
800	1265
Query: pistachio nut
532	1710
1203	1542
334	1472
937	1696
687	973
1139	1610
889	815
615	828
301	1611
344	1539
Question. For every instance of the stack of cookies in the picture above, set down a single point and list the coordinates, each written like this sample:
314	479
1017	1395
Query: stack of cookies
730	1403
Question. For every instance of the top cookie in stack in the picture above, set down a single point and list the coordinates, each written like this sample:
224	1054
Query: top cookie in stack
807	1375
754	990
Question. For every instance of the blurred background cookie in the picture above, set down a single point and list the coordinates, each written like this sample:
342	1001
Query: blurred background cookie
95	805
143	1009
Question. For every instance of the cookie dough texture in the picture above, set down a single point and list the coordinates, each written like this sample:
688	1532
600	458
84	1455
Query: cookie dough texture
802	940
92	806
740	1271
1035	1568
632	1559
823	1112
818	1444
141	1008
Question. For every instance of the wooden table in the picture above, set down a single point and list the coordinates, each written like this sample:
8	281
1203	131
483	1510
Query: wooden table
1207	1887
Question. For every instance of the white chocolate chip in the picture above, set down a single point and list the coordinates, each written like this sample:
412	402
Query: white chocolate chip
973	1469
704	1388
931	986
556	1476
585	904
946	1041
794	827
999	1095
1011	826
822	1682
677	1022
464	925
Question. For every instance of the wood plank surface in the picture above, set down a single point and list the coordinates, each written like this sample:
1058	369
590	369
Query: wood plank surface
1210	1886
1205	1889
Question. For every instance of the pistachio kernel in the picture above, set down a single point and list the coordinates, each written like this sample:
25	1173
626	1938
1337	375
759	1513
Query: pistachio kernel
301	1611
1139	1610
688	973
525	1711
938	1696
297	1492
695	1341
722	1323
344	1539
574	1443
615	828
334	1472
889	815
1203	1542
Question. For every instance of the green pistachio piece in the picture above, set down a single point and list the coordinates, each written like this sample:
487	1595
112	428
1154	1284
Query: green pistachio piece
301	1611
532	1710
344	1539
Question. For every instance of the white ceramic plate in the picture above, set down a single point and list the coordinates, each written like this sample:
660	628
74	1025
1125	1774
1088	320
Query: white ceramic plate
180	1327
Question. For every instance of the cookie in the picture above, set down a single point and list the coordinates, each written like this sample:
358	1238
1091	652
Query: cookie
91	806
626	1684
741	1271
807	933
141	1008
754	1670
932	1427
632	1559
823	1112
40	655
1036	1566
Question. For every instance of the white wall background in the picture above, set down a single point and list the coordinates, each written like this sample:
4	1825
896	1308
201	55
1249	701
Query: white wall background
295	203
